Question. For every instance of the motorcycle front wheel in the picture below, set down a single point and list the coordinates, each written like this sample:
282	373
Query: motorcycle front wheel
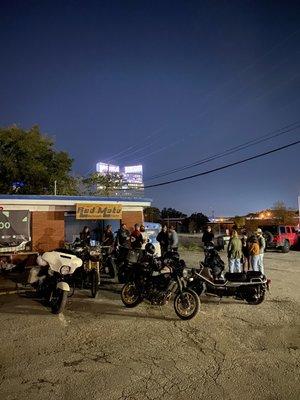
130	295
58	300
95	281
186	304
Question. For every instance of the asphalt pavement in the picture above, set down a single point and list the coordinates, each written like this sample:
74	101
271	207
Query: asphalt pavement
99	350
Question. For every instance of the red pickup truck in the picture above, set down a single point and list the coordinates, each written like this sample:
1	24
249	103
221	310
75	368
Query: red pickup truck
281	237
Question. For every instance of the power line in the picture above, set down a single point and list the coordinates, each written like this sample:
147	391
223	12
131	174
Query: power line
268	136
133	149
223	166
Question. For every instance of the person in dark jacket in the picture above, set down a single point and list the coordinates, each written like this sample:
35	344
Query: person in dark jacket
163	240
208	236
108	236
245	250
136	238
85	235
123	237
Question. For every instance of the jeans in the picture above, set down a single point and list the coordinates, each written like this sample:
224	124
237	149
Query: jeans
254	262
260	263
234	265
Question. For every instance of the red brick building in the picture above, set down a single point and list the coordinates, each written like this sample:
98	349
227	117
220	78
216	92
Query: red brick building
53	219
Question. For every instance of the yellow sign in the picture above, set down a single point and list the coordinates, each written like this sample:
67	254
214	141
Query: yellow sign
98	211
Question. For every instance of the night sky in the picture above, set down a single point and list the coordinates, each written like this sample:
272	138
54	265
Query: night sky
162	83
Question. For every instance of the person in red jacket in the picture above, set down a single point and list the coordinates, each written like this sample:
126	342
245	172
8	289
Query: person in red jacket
136	238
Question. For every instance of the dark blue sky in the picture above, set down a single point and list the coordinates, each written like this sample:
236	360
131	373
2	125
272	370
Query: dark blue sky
179	80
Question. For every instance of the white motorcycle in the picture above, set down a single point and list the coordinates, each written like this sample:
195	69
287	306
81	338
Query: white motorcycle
50	277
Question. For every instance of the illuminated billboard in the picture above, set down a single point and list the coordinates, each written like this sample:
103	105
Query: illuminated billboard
132	174
133	169
104	168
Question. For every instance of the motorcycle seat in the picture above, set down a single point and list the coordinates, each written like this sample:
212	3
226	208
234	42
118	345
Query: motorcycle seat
236	276
254	274
219	281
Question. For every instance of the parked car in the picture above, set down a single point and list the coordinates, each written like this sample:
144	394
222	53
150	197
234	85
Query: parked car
281	237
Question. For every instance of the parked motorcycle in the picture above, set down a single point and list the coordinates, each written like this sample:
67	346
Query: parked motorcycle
118	263
250	286
50	277
89	273
156	280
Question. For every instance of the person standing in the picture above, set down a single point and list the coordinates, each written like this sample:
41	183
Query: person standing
123	237
136	238
254	254
245	250
122	242
262	246
163	240
85	236
108	236
208	236
173	239
145	236
234	252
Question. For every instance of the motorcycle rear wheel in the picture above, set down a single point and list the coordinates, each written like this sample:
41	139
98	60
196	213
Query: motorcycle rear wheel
186	304
256	301
130	295
58	301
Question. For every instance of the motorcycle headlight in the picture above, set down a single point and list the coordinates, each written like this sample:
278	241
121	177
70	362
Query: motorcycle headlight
65	270
94	253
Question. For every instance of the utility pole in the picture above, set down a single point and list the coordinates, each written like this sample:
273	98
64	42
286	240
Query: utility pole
55	188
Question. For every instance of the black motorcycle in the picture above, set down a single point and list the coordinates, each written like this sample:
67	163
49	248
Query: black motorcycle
156	280
117	265
250	286
89	274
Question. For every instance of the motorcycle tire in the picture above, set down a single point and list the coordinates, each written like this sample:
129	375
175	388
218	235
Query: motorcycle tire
95	282
58	301
130	295
257	301
180	306
72	289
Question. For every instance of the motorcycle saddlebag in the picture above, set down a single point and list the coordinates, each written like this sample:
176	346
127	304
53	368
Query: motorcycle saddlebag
236	276
254	274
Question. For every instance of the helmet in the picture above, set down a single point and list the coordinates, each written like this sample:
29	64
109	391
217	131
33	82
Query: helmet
149	248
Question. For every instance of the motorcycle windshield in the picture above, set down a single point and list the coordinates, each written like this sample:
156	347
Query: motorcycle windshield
56	260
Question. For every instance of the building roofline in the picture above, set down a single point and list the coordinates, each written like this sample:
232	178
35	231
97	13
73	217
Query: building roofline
74	198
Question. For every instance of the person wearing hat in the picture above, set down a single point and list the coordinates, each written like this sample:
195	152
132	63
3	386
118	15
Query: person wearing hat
262	246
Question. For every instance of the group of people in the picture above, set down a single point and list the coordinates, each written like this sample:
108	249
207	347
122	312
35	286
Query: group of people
244	253
137	239
168	239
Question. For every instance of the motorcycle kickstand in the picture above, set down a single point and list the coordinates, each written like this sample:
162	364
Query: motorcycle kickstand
220	299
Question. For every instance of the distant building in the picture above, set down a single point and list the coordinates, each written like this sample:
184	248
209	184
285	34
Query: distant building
132	175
